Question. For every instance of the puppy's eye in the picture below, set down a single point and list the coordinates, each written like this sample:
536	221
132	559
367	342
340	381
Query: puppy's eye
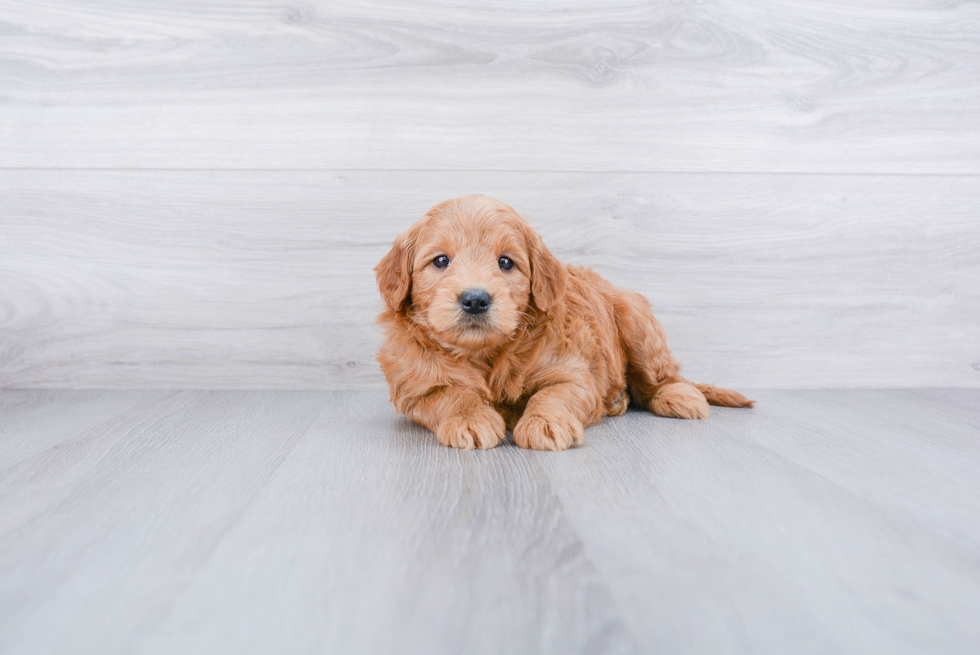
441	261
505	263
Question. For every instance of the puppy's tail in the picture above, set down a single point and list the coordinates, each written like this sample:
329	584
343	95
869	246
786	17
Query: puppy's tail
723	397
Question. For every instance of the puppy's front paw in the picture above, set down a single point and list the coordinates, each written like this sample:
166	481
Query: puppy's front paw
484	428
548	432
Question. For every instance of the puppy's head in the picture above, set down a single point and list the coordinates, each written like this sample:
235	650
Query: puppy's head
469	270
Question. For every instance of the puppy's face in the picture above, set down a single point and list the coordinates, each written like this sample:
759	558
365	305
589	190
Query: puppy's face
471	278
469	269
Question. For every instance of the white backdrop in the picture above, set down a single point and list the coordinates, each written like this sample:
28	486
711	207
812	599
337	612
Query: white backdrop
194	194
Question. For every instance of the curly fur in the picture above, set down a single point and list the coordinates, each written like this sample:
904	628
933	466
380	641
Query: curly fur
559	348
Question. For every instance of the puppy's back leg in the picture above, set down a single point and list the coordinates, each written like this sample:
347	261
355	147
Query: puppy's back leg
652	372
723	397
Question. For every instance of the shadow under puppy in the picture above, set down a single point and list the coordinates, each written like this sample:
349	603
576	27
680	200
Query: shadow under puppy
487	331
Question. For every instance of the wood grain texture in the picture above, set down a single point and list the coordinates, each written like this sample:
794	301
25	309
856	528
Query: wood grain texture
824	521
413	549
720	85
36	420
263	279
250	522
132	508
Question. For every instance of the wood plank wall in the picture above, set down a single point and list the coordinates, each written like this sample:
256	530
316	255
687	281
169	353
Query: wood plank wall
194	193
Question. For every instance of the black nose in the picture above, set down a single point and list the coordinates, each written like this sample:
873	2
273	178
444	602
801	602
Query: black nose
474	301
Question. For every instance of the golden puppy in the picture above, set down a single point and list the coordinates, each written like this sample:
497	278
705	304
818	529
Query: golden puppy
487	331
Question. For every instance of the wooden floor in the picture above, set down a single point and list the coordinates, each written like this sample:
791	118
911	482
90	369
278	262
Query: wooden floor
301	522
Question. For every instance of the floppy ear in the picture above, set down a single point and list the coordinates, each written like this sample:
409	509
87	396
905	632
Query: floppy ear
548	275
394	273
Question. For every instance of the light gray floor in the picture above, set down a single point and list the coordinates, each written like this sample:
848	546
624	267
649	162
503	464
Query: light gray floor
301	522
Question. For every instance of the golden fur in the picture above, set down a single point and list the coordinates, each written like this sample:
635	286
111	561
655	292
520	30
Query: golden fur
556	351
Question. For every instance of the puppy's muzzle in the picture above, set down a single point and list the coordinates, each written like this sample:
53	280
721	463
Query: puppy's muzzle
475	301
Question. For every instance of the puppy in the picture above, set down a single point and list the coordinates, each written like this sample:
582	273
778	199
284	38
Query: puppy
486	331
